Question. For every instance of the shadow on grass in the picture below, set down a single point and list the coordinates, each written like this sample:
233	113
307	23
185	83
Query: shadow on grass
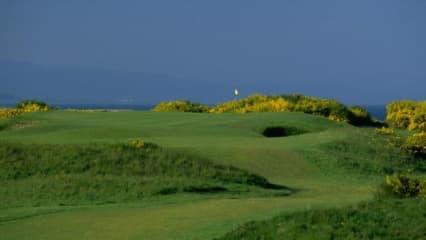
205	189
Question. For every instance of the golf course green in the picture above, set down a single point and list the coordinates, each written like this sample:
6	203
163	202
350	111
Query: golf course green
319	164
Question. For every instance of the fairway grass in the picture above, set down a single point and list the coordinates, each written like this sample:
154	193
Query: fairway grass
230	139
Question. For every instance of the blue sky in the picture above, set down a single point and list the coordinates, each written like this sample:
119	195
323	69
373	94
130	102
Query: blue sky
359	51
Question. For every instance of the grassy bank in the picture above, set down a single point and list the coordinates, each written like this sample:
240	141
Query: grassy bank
379	219
47	174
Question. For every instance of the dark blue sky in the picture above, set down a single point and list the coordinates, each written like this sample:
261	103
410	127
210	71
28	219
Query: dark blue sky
359	51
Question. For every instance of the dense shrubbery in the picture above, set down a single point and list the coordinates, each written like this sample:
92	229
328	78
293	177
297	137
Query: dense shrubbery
388	136
255	103
404	185
23	107
137	143
416	144
180	106
286	103
9	112
359	116
409	115
329	108
32	105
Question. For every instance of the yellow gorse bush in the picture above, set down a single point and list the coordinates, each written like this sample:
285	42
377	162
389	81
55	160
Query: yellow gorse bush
329	108
180	106
407	114
9	112
385	131
416	144
32	106
255	103
24	107
137	143
389	137
405	185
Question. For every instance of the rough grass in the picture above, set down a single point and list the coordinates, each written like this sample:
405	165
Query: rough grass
42	174
364	152
381	219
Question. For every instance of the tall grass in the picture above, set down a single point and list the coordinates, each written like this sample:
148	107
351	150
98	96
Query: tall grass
365	152
381	219
40	174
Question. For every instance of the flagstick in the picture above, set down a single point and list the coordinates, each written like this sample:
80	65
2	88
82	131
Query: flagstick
235	99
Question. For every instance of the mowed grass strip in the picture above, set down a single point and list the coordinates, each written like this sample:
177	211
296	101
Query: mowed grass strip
188	220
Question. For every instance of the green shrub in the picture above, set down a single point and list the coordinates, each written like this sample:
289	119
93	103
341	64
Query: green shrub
404	185
137	143
359	116
329	108
416	144
385	131
254	103
180	106
23	107
407	114
32	105
419	119
9	112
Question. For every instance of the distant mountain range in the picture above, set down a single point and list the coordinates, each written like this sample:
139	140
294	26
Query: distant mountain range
20	80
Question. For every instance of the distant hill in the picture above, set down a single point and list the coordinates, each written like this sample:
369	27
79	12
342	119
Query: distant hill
65	85
7	98
76	85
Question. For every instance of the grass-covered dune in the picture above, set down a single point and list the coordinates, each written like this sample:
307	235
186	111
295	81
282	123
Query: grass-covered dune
106	188
43	174
384	219
329	108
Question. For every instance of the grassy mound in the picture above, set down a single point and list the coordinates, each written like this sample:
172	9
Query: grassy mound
329	108
366	152
385	219
41	174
